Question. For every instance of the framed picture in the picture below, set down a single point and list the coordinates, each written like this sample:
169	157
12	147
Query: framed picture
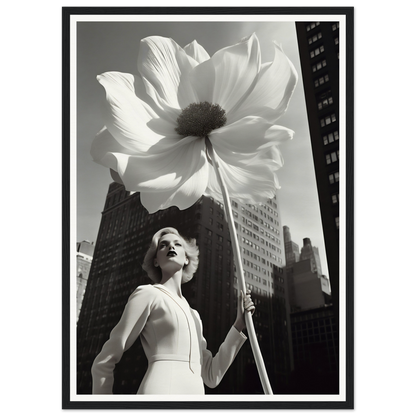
234	126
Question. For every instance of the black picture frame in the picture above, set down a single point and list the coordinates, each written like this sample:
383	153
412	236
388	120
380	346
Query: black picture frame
351	403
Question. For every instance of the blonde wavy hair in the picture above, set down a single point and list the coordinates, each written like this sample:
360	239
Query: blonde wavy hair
191	251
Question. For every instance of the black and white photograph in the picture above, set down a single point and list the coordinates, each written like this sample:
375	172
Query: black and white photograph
209	236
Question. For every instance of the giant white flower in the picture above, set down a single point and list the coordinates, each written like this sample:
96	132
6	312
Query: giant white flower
157	123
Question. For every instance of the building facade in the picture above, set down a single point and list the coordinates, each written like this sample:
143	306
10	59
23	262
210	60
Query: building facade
124	235
308	292
314	332
85	252
319	55
309	252
315	340
261	241
308	287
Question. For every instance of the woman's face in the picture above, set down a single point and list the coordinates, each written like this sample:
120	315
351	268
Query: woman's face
170	255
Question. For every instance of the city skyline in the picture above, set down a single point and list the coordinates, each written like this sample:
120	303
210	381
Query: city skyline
114	47
213	291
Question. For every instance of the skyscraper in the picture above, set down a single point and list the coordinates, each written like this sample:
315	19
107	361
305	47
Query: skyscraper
315	340
308	288
125	233
262	247
85	252
291	248
314	333
309	252
319	55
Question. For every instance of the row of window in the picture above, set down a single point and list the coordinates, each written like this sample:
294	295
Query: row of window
265	224
332	157
333	177
321	80
318	36
312	25
256	237
319	65
325	99
317	51
257	290
314	38
329	119
331	137
264	214
265	207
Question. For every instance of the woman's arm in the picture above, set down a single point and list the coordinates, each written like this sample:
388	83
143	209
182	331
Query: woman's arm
122	337
214	368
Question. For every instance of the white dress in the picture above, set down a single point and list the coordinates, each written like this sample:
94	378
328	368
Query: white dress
171	335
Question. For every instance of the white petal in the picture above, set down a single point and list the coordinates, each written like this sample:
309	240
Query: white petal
164	168
126	115
247	136
162	62
104	143
272	91
227	76
253	183
183	197
166	165
162	108
202	79
196	51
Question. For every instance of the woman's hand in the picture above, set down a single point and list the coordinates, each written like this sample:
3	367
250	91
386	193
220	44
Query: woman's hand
244	304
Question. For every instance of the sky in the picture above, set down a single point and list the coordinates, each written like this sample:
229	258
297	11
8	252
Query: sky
113	46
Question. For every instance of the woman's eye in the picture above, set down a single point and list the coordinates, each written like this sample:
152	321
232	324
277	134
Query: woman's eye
178	244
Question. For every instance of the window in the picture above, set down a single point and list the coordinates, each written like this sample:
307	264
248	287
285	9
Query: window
335	26
317	51
314	38
332	157
321	80
334	177
325	99
331	137
337	222
336	41
328	120
312	26
319	66
335	198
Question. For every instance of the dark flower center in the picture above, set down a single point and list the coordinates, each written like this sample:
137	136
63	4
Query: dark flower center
199	119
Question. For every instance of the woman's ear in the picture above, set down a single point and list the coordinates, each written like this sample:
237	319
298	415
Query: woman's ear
155	263
186	261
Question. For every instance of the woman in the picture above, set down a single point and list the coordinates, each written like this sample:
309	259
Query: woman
170	330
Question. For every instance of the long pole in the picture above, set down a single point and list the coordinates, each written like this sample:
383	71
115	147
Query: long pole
240	274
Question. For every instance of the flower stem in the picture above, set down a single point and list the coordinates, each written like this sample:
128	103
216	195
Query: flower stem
240	274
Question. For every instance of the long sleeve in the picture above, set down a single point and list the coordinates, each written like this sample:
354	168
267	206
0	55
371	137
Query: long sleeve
122	337
214	368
